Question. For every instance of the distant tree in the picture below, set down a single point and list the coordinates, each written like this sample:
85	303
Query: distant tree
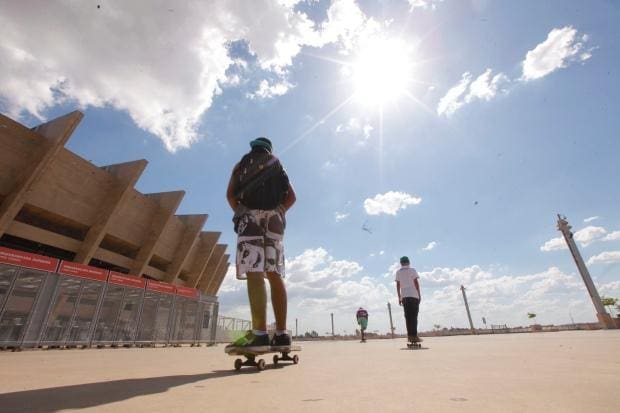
436	326
532	315
609	302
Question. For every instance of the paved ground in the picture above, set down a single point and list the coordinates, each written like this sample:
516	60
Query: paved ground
543	372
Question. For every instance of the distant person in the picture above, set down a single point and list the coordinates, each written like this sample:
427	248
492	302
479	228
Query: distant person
259	192
362	320
408	289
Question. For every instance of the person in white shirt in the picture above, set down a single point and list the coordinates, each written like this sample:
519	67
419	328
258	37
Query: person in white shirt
408	289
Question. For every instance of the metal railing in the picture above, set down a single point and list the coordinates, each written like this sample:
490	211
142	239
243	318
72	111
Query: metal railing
46	308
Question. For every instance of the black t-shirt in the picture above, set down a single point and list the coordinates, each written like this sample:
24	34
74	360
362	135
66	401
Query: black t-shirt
260	181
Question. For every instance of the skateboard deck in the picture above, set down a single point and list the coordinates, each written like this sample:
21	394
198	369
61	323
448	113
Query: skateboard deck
251	355
417	344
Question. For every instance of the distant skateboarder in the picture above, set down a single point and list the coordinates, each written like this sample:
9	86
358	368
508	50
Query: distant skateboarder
259	192
362	321
408	289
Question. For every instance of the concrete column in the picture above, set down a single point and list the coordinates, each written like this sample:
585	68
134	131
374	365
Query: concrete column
193	226
471	323
220	275
53	135
168	204
204	248
127	175
209	273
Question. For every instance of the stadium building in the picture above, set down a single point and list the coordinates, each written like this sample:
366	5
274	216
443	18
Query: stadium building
86	259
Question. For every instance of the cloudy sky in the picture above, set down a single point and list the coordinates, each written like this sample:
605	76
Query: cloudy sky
448	131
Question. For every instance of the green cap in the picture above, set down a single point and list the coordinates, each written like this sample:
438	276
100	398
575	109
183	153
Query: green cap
261	142
404	259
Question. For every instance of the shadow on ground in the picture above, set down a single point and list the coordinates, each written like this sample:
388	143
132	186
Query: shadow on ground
81	396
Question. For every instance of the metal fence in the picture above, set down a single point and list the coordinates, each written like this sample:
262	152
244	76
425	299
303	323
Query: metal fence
44	302
228	329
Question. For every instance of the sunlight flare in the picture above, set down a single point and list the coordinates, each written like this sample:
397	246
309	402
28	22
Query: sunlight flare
382	72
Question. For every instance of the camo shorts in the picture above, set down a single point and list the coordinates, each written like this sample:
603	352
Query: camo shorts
260	245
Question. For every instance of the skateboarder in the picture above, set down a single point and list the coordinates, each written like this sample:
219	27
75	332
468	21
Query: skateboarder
408	289
259	192
362	321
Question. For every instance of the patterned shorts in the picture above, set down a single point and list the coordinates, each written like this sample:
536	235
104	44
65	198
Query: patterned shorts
259	242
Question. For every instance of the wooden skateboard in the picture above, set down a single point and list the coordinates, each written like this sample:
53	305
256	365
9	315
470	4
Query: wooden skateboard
251	355
416	344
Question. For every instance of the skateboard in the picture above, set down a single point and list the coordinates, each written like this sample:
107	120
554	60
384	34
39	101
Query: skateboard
415	344
251	355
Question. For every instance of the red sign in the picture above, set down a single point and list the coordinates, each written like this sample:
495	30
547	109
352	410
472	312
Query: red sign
160	287
187	292
28	260
128	280
81	270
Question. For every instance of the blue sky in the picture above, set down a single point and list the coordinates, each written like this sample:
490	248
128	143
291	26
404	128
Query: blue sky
494	117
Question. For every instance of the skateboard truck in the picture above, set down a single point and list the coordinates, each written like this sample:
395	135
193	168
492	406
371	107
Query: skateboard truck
252	360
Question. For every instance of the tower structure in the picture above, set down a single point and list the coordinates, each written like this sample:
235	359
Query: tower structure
603	317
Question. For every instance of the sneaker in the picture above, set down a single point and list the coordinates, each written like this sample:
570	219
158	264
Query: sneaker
251	341
417	339
282	340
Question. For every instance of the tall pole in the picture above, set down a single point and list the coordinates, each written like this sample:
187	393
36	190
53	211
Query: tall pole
391	323
471	323
296	332
604	319
332	314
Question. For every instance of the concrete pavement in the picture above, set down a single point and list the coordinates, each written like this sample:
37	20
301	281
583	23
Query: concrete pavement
574	371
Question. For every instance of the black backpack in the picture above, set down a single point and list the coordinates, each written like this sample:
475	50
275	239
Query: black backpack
260	181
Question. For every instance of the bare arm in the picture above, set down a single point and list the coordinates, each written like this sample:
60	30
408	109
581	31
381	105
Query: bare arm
290	198
230	193
417	287
400	300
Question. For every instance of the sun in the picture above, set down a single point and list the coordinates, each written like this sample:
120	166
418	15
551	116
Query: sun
382	71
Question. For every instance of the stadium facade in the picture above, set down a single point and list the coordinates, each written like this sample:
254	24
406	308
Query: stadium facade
85	258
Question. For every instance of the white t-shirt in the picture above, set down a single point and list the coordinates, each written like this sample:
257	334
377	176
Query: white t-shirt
405	275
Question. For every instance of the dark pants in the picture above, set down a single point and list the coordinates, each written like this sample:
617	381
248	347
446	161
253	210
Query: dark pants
411	306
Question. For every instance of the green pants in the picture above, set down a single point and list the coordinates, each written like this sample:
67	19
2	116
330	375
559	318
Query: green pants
363	322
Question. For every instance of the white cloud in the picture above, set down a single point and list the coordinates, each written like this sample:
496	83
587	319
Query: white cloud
341	216
589	234
355	126
584	237
590	219
605	257
484	87
269	90
612	236
318	284
554	244
161	63
562	47
454	275
391	271
453	100
423	4
390	203
346	24
431	245
612	287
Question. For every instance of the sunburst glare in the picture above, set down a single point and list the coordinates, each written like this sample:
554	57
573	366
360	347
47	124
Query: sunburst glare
382	72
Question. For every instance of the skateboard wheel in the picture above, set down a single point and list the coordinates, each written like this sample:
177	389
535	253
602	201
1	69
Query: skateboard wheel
275	359
238	364
261	364
295	359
